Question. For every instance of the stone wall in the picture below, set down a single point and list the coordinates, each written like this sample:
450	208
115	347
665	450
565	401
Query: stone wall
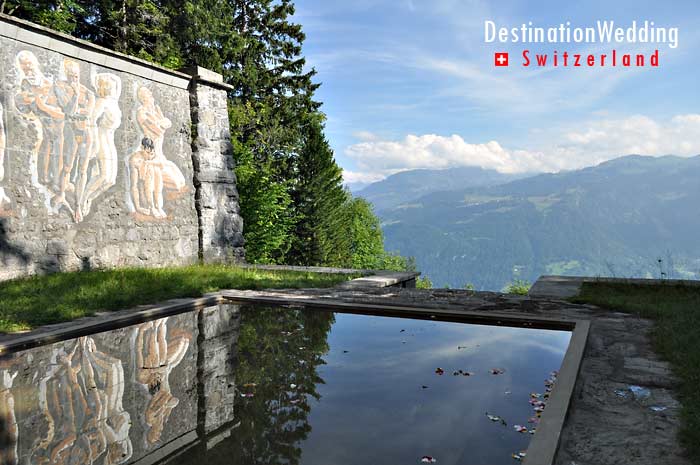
99	166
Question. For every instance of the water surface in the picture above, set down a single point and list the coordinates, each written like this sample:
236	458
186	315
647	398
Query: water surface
256	385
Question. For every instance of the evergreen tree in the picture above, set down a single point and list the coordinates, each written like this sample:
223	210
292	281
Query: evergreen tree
63	16
265	206
322	233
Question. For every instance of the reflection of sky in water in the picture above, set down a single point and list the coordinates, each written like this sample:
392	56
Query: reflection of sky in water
373	408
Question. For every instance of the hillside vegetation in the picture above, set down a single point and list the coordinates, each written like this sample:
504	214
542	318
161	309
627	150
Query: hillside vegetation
627	217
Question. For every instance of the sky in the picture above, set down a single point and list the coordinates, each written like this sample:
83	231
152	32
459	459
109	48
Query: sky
410	84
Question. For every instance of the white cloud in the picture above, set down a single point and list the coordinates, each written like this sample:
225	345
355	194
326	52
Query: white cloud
353	177
573	148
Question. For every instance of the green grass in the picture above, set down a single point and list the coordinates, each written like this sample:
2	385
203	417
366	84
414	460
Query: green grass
40	300
676	337
518	287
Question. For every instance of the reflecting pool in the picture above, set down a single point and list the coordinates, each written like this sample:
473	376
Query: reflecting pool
247	385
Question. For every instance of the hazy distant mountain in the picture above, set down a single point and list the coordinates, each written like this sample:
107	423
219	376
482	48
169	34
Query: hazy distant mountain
409	185
618	218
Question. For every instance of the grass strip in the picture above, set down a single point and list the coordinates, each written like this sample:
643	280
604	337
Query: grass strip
39	300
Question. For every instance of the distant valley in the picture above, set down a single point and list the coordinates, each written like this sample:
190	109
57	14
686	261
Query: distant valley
633	216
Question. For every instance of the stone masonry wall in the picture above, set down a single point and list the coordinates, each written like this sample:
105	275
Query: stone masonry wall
98	166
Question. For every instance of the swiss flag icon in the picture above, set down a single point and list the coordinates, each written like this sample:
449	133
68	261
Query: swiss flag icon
501	58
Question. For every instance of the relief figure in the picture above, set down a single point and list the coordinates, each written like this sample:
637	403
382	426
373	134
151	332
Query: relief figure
81	399
156	356
154	171
37	102
108	118
4	199
78	105
76	158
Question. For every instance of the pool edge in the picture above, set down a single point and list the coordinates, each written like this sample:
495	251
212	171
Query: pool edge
545	443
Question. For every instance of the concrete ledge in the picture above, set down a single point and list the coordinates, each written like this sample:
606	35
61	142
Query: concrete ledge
566	287
383	279
311	269
545	443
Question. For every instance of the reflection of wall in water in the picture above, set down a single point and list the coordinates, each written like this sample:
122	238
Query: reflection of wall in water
88	401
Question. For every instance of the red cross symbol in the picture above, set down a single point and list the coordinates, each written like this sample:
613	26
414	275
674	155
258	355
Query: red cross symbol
501	59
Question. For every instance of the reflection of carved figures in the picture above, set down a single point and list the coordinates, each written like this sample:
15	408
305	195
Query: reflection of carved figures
108	117
156	356
154	171
76	158
4	199
81	397
8	433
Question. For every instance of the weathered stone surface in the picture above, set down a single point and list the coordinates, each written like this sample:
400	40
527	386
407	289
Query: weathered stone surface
221	224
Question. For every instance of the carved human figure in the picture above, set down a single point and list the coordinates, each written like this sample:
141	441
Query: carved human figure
156	357
146	180
37	102
8	433
81	399
107	117
78	105
154	124
4	199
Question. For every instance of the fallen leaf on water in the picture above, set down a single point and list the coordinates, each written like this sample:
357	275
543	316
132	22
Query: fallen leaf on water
428	459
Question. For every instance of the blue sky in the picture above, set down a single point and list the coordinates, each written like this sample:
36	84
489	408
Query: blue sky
411	84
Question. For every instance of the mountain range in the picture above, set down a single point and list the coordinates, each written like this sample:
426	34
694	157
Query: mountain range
632	216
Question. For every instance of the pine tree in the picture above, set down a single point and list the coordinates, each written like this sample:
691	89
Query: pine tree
322	233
